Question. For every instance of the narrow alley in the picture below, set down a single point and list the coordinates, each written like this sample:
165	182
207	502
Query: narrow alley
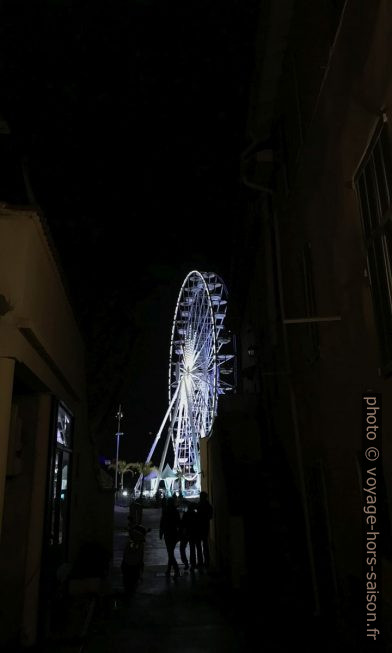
191	614
195	613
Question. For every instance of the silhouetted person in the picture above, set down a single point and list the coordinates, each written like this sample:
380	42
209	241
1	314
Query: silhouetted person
204	516
169	529
195	550
184	537
190	535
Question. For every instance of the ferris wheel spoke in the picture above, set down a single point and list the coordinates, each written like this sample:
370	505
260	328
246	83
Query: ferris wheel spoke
209	341
211	393
202	359
204	396
206	380
204	331
194	435
195	312
197	397
178	443
202	310
199	351
197	401
207	345
211	356
200	330
200	400
204	420
197	307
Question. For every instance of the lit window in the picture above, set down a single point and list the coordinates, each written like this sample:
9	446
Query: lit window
63	427
61	475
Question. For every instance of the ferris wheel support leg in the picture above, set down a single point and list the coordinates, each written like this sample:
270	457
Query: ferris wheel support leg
158	435
194	437
170	430
161	464
138	485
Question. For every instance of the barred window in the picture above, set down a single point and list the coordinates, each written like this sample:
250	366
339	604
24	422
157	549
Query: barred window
373	183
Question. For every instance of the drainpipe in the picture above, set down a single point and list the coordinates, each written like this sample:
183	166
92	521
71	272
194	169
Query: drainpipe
294	415
328	65
293	407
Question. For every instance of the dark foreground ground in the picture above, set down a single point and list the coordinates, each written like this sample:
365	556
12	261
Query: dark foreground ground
195	613
189	614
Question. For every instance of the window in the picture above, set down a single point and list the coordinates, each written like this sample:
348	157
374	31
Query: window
60	477
63	427
374	188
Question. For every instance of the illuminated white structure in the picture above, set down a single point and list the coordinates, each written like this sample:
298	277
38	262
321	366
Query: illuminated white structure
196	368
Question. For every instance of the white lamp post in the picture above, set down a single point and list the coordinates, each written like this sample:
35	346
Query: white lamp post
119	416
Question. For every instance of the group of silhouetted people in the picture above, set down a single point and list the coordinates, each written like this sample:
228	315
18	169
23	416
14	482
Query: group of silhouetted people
192	529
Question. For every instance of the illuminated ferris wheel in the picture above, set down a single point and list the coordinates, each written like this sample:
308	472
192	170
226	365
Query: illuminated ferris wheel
199	372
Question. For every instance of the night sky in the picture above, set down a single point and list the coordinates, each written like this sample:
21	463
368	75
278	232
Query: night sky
131	116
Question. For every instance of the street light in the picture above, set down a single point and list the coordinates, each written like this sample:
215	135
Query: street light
119	416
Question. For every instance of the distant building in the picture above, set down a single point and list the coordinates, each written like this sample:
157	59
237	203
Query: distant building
51	498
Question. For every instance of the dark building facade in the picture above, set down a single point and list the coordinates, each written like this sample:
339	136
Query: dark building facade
311	304
52	496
